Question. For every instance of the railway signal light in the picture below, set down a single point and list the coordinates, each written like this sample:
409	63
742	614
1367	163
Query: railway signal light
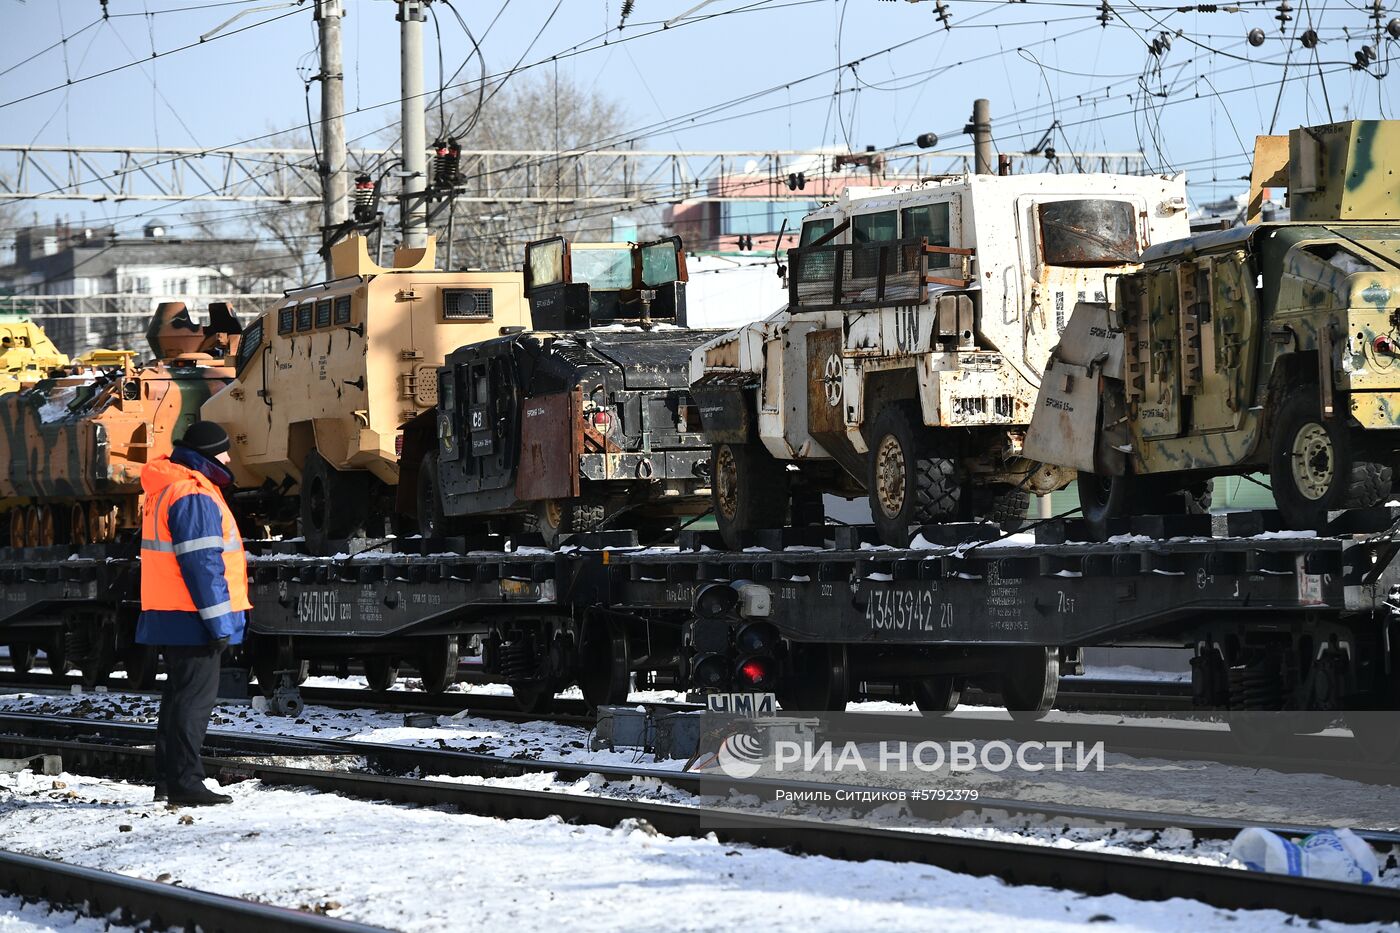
797	181
710	672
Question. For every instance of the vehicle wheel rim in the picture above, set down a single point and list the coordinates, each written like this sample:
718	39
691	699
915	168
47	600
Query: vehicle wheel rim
727	482
553	514
889	475
1313	461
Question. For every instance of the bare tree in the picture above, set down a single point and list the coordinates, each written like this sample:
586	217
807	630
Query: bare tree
527	113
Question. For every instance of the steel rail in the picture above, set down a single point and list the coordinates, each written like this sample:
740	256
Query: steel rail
1092	873
407	759
102	894
1333	755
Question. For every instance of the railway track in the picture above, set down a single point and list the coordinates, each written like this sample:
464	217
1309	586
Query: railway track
101	752
1335	755
405	760
153	905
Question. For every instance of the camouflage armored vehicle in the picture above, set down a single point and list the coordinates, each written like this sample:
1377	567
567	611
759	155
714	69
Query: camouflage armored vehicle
1269	347
26	355
585	422
906	362
73	446
326	378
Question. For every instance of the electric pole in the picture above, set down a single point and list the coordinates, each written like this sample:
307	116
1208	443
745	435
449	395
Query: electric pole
982	136
413	202
332	168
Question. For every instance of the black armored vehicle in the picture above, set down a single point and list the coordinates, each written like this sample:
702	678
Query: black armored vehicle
582	424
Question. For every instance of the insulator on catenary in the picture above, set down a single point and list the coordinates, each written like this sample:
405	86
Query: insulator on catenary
447	162
364	198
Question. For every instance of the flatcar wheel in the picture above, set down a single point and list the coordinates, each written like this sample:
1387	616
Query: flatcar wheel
939	693
21	656
140	663
57	654
1031	679
95	667
605	663
19	531
438	665
818	679
381	673
533	697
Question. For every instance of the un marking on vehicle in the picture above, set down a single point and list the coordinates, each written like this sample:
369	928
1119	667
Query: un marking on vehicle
742	704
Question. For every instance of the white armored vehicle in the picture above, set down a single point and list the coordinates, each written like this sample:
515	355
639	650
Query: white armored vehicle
907	360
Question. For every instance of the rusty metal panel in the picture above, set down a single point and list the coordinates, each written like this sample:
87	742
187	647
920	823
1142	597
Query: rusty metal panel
1064	427
551	440
825	396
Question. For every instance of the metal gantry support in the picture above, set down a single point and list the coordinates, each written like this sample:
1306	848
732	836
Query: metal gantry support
622	177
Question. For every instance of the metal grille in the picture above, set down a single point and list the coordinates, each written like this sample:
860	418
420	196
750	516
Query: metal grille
466	304
304	316
854	276
286	319
342	309
323	313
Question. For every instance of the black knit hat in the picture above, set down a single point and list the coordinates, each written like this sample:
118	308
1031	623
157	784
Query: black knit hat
206	437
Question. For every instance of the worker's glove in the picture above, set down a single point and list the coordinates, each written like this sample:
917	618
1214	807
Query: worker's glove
220	643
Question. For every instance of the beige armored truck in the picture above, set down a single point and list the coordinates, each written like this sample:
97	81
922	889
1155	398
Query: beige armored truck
326	377
1270	347
906	362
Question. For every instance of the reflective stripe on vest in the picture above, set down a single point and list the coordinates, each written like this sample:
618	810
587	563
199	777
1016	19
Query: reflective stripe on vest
162	582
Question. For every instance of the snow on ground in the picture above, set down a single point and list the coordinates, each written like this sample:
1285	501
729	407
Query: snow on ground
17	916
426	869
1152	785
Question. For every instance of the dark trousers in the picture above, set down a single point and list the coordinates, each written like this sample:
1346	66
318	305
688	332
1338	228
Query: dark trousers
191	685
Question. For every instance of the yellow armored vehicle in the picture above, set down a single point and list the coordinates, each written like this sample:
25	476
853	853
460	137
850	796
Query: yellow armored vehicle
72	447
26	355
1270	347
326	377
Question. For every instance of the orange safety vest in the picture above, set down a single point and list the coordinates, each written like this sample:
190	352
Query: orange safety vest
162	585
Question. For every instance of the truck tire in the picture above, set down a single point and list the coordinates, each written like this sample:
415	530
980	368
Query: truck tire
1316	466
750	491
334	502
1102	498
433	521
555	518
907	485
1001	504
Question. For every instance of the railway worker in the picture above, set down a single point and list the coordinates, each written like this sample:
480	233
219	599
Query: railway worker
194	591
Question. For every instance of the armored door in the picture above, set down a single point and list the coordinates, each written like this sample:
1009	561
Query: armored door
486	403
1151	317
1228	320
